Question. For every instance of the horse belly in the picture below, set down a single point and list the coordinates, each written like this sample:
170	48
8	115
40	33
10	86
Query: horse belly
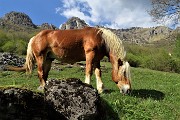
68	55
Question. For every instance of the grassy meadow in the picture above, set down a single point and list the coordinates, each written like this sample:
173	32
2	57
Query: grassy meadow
155	94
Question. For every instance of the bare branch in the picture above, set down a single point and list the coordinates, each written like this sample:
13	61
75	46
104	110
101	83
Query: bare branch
165	10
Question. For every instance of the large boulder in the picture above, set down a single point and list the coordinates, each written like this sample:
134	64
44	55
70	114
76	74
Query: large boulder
72	98
63	99
22	104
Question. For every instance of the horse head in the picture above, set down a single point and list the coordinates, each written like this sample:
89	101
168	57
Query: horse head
124	82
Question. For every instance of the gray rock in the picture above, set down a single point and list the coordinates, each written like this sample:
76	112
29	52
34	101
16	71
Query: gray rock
72	98
22	104
63	99
11	59
19	18
74	23
48	26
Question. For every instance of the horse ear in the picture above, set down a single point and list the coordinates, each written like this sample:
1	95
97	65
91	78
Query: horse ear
127	70
122	70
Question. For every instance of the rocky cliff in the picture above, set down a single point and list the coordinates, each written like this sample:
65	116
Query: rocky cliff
74	23
140	35
18	18
135	35
48	26
14	20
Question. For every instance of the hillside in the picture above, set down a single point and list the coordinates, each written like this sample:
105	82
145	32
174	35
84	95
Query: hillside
16	21
135	35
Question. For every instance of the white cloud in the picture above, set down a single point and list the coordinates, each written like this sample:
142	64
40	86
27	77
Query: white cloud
111	13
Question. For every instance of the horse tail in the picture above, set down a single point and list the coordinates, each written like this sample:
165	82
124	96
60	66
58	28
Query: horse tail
12	68
113	43
28	66
29	57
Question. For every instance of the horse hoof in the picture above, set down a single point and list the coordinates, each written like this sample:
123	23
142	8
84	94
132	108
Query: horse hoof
100	91
104	90
40	88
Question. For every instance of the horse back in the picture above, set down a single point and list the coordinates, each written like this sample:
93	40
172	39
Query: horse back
70	45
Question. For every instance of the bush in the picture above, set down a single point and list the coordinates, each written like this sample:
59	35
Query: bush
158	61
9	46
134	60
21	46
175	65
152	58
15	42
15	46
3	39
177	46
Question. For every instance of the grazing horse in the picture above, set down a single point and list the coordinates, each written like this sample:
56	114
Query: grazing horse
70	46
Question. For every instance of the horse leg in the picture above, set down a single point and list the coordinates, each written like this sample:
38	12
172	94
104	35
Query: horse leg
39	60
99	82
89	59
46	68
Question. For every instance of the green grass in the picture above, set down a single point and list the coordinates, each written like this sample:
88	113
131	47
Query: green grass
155	95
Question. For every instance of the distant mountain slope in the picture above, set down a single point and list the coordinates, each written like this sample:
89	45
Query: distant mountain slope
16	21
136	35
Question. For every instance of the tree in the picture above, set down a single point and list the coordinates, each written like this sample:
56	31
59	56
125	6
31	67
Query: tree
166	11
177	47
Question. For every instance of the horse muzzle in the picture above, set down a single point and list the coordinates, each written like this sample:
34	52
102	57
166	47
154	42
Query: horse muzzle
125	89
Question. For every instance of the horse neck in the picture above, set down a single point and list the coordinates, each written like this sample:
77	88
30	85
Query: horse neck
115	67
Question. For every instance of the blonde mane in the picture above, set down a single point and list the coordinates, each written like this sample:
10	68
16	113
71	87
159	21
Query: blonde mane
113	43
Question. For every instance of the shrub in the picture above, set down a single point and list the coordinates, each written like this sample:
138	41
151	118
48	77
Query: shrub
21	47
158	61
152	58
177	46
15	46
9	46
175	64
3	39
134	60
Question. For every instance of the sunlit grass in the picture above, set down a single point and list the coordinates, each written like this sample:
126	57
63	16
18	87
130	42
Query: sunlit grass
155	94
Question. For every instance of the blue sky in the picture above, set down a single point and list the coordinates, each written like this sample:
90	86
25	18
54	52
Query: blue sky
116	14
40	11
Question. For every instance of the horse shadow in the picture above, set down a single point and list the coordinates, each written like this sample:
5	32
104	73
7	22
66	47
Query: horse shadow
145	94
105	111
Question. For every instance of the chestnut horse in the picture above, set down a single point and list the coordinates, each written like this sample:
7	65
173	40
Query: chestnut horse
70	46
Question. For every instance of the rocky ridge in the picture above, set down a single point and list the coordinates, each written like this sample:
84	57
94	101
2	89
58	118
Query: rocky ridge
22	20
135	35
138	35
18	18
74	23
48	26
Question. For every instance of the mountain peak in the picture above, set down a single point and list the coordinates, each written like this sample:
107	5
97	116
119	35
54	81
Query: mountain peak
74	23
18	18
